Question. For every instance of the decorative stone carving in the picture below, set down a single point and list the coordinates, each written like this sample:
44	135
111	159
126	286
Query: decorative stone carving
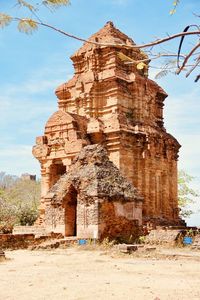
40	151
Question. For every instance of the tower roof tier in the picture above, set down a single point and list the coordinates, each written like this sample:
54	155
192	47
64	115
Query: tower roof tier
108	36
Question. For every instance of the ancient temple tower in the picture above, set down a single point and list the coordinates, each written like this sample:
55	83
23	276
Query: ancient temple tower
112	103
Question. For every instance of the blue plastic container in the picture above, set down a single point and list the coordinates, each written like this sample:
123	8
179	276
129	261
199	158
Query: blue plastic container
187	240
82	242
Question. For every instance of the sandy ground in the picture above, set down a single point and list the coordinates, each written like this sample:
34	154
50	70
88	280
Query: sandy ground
76	274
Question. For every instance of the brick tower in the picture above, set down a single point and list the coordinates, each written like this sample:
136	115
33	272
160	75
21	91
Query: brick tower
114	104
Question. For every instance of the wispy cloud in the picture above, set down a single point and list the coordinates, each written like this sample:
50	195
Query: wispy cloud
17	159
25	108
31	100
182	120
11	150
33	86
182	112
39	81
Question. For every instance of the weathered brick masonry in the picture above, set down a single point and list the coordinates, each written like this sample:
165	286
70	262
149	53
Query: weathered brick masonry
115	105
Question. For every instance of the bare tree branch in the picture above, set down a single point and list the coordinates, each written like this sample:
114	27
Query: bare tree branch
188	57
154	57
29	25
193	67
153	43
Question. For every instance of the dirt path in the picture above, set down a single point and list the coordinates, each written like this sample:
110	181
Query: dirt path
76	275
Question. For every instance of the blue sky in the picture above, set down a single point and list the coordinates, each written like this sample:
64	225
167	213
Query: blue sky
33	66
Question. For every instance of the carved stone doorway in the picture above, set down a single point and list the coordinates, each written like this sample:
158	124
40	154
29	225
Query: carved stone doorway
70	205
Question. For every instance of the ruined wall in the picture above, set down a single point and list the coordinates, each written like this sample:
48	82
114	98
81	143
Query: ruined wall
118	222
76	204
16	241
97	219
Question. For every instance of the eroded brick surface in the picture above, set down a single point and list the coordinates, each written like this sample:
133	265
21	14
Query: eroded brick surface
113	104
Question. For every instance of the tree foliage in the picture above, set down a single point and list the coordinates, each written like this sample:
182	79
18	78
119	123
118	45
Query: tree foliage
186	195
34	5
6	180
18	202
27	24
175	4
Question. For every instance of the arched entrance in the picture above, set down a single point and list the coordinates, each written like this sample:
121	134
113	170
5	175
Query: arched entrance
70	205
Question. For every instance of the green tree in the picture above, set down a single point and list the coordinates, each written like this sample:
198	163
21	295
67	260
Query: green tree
7	215
186	195
19	204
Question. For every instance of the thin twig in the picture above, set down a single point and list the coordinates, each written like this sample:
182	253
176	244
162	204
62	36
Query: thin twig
152	58
193	67
169	68
188	57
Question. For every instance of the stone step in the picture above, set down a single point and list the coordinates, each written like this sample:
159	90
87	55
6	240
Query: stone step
55	243
127	248
35	229
163	236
